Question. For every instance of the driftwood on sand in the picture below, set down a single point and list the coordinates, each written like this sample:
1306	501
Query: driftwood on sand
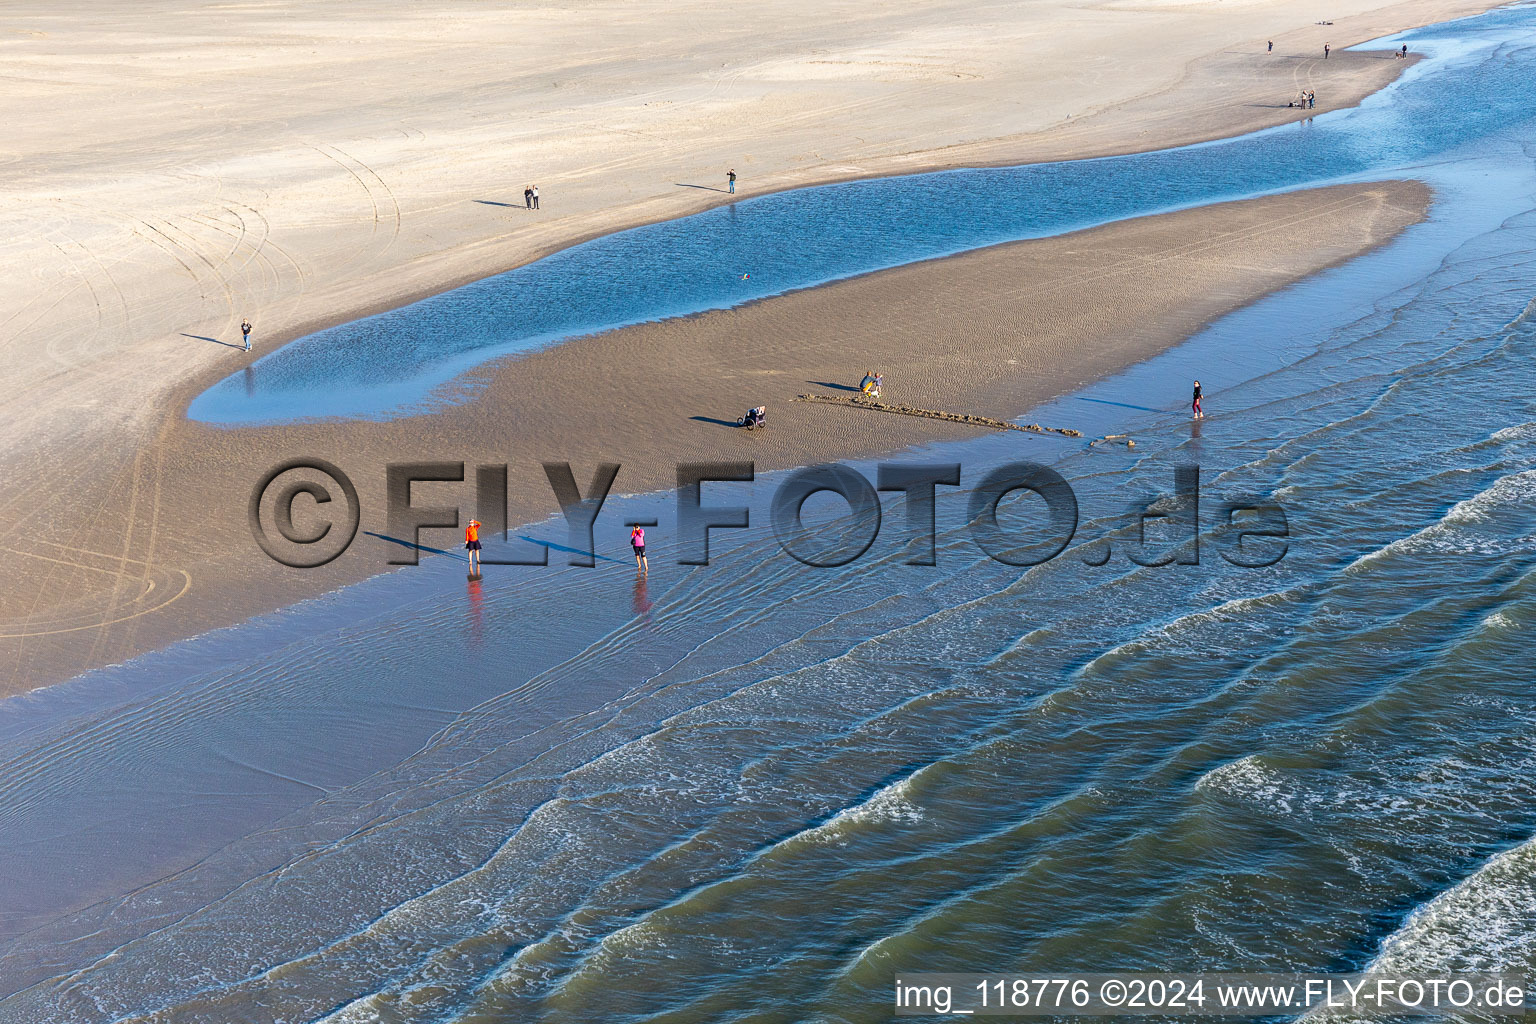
937	414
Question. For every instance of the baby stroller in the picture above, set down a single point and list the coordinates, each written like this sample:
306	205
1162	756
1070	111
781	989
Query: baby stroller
754	418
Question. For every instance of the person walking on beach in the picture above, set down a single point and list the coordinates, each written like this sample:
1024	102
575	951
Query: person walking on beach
528	197
1271	46
1311	99
535	197
472	544
1404	52
245	329
1195	405
1326	48
637	541
730	180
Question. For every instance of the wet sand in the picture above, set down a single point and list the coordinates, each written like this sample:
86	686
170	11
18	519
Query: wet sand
168	171
147	540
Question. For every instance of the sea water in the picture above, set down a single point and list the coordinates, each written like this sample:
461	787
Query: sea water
410	359
758	791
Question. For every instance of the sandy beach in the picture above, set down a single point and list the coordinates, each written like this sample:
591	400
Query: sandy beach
168	173
992	332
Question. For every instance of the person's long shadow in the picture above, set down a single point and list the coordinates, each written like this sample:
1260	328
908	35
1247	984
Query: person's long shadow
834	387
711	419
464	558
418	547
216	341
707	188
492	202
551	545
1123	405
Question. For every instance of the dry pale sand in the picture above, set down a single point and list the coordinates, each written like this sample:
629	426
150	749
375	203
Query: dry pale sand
168	168
992	332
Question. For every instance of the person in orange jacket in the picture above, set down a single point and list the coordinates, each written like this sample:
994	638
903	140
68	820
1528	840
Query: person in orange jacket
472	543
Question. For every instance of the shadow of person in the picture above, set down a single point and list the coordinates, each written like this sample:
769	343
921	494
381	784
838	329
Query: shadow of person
216	341
1123	405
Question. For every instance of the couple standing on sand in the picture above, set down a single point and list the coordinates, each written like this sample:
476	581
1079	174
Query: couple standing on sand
472	545
531	197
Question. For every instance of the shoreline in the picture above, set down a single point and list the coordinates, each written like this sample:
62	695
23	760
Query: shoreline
110	515
546	405
920	163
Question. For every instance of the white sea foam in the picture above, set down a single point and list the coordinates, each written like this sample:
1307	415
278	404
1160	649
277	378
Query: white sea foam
366	1009
1519	432
1457	531
1249	779
1498	621
1514	489
1181	631
891	803
1486	922
1386	791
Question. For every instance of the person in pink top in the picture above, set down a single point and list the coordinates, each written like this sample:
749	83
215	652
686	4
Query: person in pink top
637	541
